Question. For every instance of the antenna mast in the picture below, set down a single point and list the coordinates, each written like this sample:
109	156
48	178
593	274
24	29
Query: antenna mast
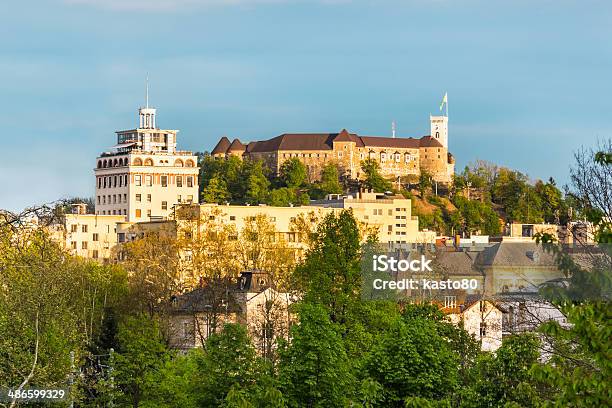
393	129
147	92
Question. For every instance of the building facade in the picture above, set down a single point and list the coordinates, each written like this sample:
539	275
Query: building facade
144	175
397	157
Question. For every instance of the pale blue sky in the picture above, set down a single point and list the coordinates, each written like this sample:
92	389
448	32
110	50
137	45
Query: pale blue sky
528	81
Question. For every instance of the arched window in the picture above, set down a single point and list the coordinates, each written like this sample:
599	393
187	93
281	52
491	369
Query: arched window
178	163
383	156
407	157
372	154
138	161
148	162
189	163
99	163
397	156
115	163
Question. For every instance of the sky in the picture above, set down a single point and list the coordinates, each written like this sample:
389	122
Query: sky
528	82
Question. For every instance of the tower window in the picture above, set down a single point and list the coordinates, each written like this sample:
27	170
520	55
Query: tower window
179	181
164	181
138	180
189	181
164	205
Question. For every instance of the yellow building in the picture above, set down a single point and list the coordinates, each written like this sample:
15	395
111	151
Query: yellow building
397	157
90	235
145	175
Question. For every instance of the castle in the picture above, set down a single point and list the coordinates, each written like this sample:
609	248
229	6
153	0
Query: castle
397	157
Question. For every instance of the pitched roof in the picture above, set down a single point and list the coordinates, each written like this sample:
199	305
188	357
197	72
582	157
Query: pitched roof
457	263
343	136
237	146
222	146
296	141
377	141
515	254
325	141
428	141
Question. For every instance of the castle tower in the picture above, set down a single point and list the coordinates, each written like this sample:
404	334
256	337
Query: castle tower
439	129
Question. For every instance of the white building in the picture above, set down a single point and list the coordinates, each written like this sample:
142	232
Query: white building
483	320
144	175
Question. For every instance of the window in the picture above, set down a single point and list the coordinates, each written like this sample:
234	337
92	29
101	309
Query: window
138	179
95	236
187	329
115	181
179	181
164	205
189	181
390	212
483	329
83	228
164	181
121	236
138	198
99	182
148	181
125	178
84	245
99	200
179	198
377	211
73	228
397	157
138	212
148	213
291	236
73	245
383	157
148	198
232	218
125	198
189	198
450	302
94	254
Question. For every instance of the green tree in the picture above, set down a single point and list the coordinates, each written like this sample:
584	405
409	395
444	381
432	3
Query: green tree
257	185
142	352
314	368
373	178
216	191
424	182
331	272
229	360
413	360
330	179
504	378
172	383
293	173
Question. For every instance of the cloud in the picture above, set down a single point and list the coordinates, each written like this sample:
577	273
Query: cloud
173	5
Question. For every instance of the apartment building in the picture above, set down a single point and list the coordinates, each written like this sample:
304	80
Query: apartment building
90	235
144	175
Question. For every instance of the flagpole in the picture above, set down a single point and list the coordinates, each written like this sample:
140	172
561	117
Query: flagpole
446	105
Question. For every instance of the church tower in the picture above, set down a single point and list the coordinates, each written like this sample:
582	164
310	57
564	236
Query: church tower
439	129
